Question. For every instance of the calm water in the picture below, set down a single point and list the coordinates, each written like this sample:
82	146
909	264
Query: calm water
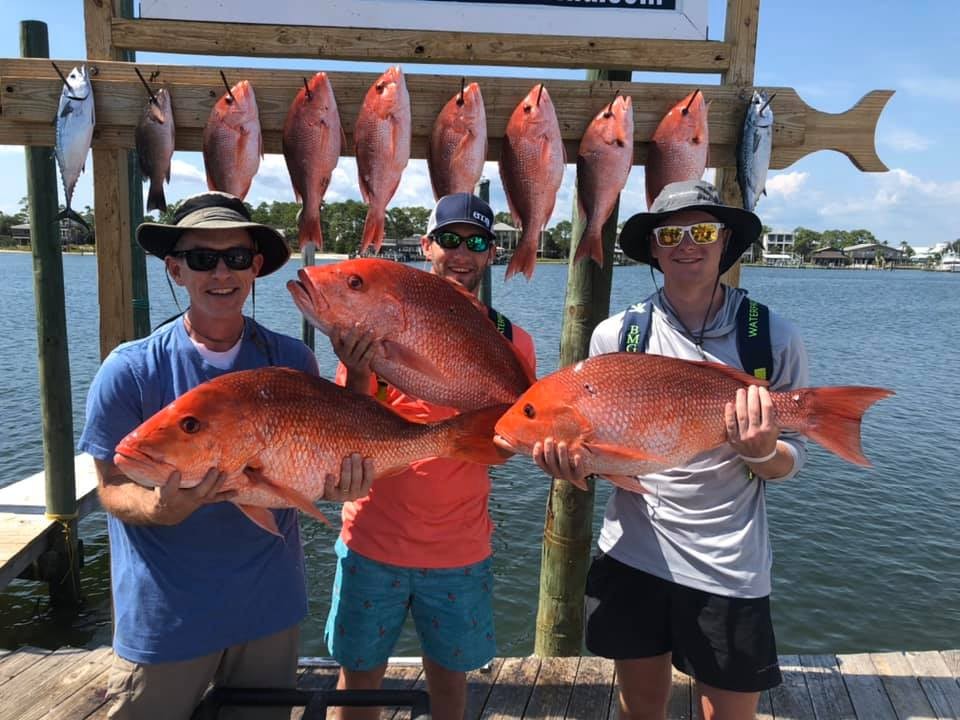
865	559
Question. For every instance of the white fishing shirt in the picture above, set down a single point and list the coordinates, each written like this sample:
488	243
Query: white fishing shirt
704	525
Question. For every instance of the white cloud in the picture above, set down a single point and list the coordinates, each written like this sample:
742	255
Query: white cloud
186	172
904	139
786	184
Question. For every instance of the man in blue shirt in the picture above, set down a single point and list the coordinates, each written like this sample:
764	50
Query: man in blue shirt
201	594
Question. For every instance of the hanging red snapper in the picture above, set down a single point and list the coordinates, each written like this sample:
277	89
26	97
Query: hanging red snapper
311	139
232	141
438	344
458	144
678	148
278	432
631	414
382	142
531	168
603	164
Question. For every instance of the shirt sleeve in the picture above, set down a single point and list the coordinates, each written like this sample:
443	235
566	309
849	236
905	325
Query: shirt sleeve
606	336
790	371
114	408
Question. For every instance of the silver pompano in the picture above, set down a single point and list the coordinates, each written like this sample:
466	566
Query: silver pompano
753	152
155	139
75	121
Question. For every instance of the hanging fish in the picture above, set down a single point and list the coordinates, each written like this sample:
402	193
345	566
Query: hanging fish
678	148
753	150
458	143
232	141
382	141
75	122
603	165
154	136
312	138
531	168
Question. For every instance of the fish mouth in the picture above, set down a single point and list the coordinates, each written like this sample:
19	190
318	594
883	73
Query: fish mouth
141	467
505	443
308	299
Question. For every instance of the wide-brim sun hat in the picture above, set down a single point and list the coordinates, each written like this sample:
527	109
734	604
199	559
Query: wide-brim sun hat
214	210
745	227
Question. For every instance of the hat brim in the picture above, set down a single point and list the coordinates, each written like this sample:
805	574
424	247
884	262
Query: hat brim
472	223
159	239
744	225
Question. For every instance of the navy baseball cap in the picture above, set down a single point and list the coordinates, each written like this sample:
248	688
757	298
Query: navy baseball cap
461	209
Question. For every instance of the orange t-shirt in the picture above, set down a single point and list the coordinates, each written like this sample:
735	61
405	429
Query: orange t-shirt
434	514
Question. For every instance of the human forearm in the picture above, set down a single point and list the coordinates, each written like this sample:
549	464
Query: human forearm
778	466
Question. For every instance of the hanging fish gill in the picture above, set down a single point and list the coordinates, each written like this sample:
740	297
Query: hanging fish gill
312	140
678	148
74	130
753	150
458	144
382	144
155	137
531	168
603	165
232	141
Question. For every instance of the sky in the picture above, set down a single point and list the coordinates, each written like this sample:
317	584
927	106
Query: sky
831	53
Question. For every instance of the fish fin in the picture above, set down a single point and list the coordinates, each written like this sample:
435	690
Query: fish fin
71	214
736	374
764	190
285	493
261	517
373	228
471	436
410	358
590	245
156	200
310	232
756	141
620	452
524	257
834	416
627	482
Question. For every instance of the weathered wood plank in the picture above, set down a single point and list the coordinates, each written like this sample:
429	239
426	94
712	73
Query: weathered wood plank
903	689
512	690
765	707
937	682
791	699
553	689
89	701
479	684
867	694
827	691
419	46
12	664
29	693
315	678
682	697
399	677
952	659
62	690
30	89
592	690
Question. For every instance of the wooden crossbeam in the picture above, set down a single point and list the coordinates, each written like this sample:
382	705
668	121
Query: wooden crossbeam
29	91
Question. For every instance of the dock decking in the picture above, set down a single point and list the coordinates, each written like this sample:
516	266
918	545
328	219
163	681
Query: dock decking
71	683
24	528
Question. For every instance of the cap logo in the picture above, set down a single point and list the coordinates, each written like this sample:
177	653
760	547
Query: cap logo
481	217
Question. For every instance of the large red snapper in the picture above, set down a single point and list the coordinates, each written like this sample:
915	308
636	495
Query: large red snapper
312	137
232	141
382	143
278	432
603	164
438	344
679	146
531	168
631	414
458	143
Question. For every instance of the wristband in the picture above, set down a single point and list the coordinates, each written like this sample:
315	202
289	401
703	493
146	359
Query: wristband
758	460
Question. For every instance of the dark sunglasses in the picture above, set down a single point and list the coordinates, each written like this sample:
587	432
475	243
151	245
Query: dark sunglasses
449	240
205	259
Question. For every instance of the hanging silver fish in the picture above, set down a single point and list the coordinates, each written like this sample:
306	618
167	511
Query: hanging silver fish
155	139
753	150
75	121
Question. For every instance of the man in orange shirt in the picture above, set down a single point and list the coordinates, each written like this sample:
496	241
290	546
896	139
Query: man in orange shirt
420	542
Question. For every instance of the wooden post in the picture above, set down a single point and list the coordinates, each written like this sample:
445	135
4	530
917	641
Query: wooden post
309	333
743	17
486	283
568	528
111	193
53	360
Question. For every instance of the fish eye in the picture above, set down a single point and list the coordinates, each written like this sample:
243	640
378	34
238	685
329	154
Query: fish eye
529	411
355	282
590	388
190	425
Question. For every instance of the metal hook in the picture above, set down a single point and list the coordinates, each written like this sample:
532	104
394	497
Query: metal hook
227	85
153	98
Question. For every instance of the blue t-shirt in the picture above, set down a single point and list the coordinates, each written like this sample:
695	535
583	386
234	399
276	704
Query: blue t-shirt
216	579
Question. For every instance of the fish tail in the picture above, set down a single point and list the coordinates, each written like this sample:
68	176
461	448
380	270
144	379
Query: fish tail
71	214
590	245
310	231
156	200
524	257
832	417
373	229
471	436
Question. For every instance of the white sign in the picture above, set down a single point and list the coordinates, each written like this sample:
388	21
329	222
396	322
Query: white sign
676	19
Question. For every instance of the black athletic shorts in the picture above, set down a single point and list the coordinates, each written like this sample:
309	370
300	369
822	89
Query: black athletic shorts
725	642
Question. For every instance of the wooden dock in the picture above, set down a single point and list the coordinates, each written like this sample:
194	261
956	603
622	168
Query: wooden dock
71	683
24	528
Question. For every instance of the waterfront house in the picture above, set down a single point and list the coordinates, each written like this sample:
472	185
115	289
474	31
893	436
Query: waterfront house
829	257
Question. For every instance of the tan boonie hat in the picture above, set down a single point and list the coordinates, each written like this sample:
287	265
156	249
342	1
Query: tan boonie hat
214	210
